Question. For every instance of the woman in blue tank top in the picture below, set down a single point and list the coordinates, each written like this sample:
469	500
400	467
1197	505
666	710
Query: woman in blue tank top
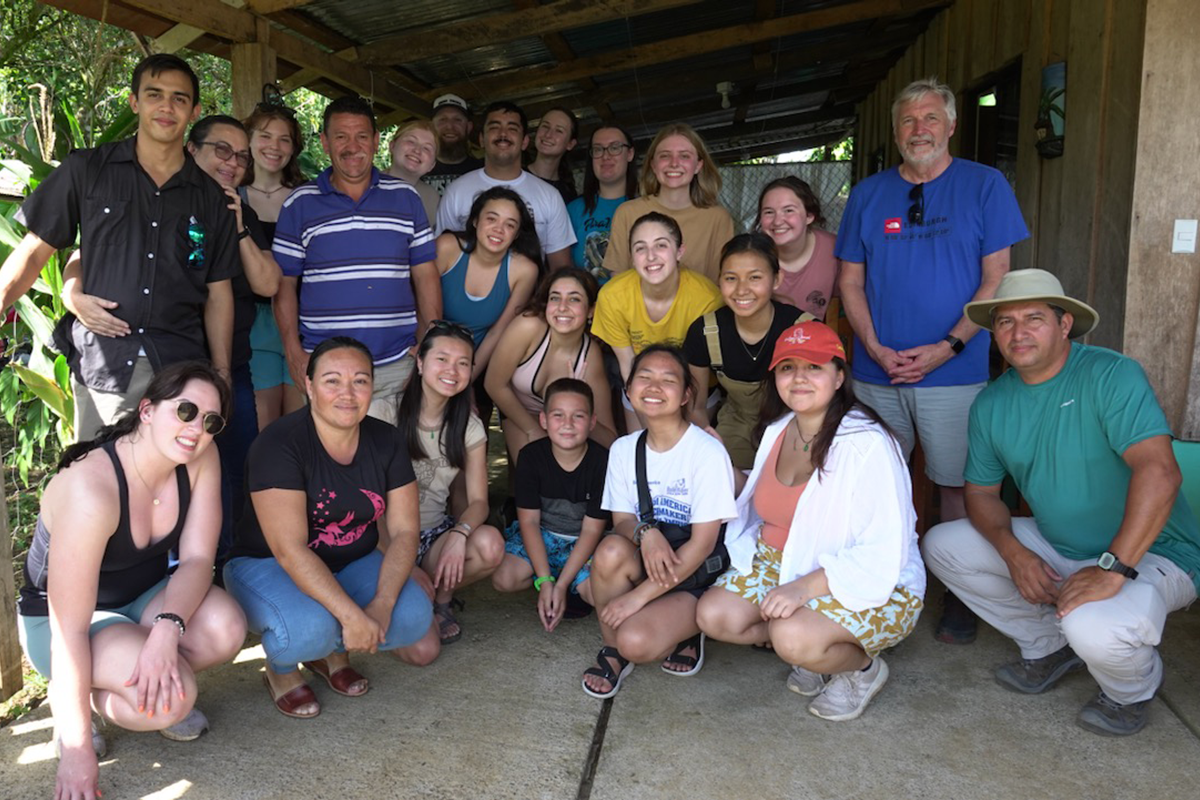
489	271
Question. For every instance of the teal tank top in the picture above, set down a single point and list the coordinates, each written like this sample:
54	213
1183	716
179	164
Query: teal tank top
478	314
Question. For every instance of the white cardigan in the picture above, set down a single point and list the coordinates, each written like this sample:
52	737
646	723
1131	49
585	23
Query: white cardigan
855	518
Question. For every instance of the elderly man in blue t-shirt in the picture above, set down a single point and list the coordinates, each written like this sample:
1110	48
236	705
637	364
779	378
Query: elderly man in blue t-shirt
1112	547
917	242
357	255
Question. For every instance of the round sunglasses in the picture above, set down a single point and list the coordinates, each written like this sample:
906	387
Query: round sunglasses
187	411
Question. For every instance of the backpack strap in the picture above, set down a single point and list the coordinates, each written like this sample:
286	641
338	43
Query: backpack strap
712	337
645	504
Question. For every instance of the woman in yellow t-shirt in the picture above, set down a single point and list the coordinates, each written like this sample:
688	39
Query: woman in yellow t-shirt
656	301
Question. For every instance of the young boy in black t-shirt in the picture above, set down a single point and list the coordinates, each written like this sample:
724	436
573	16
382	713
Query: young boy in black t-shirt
560	481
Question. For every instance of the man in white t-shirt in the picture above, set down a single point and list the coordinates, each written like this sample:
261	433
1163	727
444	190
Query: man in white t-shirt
504	139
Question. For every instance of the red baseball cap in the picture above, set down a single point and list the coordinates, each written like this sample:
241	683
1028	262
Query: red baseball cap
813	341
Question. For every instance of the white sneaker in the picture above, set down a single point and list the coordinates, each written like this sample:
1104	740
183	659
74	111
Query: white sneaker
805	682
187	729
847	693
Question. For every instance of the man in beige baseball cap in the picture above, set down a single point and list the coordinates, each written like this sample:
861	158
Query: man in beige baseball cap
1112	546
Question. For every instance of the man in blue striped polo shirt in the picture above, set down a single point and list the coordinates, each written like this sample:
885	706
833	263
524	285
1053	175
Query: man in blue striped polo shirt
358	245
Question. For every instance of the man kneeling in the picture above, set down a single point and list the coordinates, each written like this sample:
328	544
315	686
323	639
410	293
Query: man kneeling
1112	547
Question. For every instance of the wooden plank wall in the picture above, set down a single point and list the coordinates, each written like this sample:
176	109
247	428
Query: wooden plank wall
1078	207
1163	287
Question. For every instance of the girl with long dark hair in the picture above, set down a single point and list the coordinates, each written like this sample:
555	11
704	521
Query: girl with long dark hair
824	560
609	180
444	438
553	141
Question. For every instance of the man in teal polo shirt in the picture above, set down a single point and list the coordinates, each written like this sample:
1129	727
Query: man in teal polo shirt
1112	547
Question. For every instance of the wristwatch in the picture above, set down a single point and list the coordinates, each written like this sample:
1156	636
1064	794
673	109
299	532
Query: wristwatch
1110	563
956	344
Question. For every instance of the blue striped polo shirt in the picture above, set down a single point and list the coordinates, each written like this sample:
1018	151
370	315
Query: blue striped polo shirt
354	261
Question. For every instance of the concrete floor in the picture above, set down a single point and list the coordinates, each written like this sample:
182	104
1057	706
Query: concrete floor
501	715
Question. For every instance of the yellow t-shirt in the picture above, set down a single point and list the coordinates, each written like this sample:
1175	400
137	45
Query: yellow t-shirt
621	319
705	231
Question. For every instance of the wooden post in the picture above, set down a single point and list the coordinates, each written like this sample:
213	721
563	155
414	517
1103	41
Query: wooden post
253	65
11	679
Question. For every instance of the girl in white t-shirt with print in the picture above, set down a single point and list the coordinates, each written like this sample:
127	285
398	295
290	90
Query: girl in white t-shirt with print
444	438
644	589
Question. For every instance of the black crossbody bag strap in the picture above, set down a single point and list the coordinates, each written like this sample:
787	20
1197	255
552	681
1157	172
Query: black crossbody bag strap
645	504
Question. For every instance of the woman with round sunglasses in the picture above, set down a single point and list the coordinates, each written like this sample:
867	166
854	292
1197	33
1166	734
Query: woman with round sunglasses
324	565
275	146
824	564
679	179
548	341
100	616
446	441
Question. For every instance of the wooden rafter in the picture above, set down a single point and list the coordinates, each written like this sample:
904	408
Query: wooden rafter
529	19
666	50
273	6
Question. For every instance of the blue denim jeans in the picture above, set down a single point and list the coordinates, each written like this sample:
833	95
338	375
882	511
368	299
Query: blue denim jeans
233	445
295	627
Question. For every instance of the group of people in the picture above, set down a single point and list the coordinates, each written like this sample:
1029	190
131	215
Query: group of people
344	340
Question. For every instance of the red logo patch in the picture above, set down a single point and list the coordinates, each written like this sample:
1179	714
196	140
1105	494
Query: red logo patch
891	225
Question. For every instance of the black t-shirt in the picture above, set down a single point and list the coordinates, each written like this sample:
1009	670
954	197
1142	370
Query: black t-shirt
344	501
153	250
564	498
243	298
442	175
740	362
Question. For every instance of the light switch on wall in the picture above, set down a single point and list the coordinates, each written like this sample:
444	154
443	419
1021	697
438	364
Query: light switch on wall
1184	240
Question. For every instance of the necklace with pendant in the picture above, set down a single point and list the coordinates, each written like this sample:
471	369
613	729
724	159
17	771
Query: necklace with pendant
266	193
807	442
138	470
762	343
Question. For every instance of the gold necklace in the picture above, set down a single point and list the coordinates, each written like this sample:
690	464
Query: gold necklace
807	442
138	470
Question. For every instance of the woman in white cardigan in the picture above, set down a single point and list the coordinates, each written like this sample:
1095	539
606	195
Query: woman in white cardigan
824	560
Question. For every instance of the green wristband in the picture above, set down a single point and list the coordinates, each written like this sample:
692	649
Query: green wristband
537	582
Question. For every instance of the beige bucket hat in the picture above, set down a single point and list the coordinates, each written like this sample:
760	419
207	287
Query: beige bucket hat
1033	286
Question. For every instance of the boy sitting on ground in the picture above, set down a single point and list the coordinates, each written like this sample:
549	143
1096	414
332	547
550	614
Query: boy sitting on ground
559	484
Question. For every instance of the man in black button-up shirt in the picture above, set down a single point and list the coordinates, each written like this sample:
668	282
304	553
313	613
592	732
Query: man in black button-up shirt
157	239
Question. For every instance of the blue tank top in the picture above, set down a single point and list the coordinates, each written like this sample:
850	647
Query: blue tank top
477	313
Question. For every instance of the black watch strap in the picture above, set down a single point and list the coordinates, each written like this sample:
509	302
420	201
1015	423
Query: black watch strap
956	344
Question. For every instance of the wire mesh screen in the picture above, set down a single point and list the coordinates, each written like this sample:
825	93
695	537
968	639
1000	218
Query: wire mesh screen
742	183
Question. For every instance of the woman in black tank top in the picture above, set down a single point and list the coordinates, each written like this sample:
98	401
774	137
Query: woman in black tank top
97	605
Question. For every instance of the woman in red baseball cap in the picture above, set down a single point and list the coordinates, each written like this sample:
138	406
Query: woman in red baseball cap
824	560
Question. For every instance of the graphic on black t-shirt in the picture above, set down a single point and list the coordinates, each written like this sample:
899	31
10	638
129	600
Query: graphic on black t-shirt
334	534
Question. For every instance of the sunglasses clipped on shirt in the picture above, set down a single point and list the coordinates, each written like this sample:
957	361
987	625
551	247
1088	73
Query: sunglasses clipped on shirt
916	212
225	152
187	411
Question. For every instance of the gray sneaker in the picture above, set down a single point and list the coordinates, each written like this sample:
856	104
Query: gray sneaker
1036	675
187	729
847	693
98	744
806	683
1107	717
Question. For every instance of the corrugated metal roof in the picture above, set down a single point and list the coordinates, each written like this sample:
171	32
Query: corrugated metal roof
365	21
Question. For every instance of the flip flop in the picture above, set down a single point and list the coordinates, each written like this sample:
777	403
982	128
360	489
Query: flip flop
341	681
693	663
288	702
446	618
604	670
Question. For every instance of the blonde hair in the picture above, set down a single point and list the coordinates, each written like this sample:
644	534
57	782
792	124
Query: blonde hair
416	124
706	184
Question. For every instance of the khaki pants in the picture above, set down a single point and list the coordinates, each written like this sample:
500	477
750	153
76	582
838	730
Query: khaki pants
390	383
95	408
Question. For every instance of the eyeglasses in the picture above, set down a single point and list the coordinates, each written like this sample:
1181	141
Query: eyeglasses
614	149
916	212
186	410
452	327
272	102
225	152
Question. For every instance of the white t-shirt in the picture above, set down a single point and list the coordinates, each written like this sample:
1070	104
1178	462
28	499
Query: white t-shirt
690	483
545	205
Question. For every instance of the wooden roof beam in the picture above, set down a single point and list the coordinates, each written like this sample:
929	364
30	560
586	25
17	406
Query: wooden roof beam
531	20
667	50
272	6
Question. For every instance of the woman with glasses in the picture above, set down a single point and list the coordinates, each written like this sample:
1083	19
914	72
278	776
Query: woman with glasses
275	146
553	141
679	179
790	213
611	179
444	438
99	614
324	564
